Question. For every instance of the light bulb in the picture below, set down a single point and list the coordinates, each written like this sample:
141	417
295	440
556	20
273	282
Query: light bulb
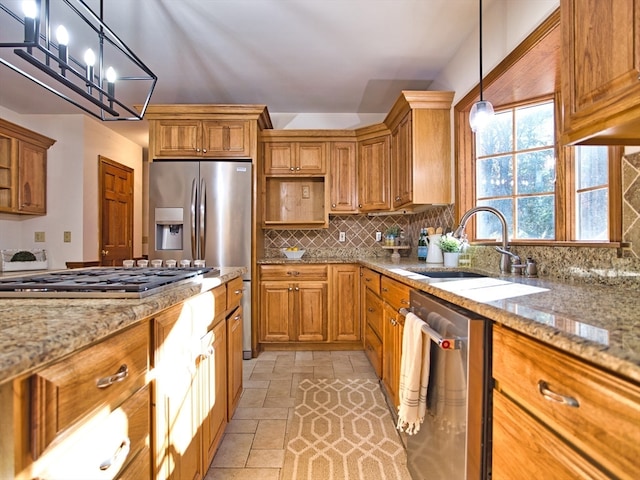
30	9
111	75
480	115
89	58
62	35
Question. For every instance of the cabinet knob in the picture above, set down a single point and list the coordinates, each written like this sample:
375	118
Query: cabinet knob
297	169
291	289
105	253
297	289
197	149
398	198
204	150
333	205
371	309
359	205
292	169
393	321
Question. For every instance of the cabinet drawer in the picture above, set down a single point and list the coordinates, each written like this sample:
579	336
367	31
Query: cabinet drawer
294	272
373	312
371	280
604	424
235	289
394	293
102	446
532	448
373	349
101	375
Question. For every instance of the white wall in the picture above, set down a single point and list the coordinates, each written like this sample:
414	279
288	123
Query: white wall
72	187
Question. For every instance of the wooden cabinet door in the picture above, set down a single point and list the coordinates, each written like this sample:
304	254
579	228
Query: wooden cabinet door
226	138
279	158
391	352
401	165
32	178
373	174
345	303
343	178
177	426
311	158
311	311
234	361
276	310
212	372
176	138
601	63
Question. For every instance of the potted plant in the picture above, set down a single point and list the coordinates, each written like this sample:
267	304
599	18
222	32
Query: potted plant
391	234
450	247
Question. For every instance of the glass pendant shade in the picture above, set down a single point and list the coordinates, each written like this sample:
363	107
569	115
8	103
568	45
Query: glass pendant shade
480	114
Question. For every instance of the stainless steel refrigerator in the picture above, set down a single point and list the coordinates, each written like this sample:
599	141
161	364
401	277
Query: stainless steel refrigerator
202	210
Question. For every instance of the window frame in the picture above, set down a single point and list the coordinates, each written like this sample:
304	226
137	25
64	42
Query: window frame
523	61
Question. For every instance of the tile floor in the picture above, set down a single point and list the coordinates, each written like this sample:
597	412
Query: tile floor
254	442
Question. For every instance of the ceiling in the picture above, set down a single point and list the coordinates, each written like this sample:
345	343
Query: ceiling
295	56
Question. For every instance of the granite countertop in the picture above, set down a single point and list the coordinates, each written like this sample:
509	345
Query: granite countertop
36	332
597	323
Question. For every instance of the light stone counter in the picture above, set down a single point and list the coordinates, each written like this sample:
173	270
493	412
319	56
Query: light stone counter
36	332
597	323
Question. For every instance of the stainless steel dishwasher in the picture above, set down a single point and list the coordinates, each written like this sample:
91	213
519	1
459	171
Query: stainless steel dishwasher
454	441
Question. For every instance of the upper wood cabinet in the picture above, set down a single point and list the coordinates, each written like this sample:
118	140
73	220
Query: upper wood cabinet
600	71
208	138
295	158
343	177
23	170
420	124
373	168
205	131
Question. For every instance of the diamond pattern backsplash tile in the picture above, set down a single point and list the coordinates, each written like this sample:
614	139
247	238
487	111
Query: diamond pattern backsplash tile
631	202
360	234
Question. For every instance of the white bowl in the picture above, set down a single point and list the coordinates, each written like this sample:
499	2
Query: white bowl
293	254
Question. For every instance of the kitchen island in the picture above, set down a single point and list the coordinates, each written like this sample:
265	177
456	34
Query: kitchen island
83	380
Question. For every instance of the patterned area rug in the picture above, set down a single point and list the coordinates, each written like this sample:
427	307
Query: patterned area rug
342	429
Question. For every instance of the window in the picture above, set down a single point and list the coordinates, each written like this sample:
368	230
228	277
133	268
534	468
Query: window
591	193
516	172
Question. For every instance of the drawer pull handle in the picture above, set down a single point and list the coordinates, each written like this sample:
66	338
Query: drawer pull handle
552	396
393	321
239	292
404	302
121	452
119	376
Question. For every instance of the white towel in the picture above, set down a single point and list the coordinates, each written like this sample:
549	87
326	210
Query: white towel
414	376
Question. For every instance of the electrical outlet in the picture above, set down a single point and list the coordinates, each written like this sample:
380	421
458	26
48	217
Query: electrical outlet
378	236
38	237
306	191
342	237
67	237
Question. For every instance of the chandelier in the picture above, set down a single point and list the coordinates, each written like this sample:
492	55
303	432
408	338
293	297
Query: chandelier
85	64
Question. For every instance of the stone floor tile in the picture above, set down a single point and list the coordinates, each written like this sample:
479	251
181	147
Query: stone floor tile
266	458
261	413
279	402
323	372
234	450
269	435
255	384
252	397
243	474
242	426
271	376
279	388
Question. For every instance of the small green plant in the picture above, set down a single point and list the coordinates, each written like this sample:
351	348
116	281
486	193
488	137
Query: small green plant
393	231
449	243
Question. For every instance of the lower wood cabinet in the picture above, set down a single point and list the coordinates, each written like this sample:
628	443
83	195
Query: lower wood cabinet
234	360
395	296
310	306
371	317
555	416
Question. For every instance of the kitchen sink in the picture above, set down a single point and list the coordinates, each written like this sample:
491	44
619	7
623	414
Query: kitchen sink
449	274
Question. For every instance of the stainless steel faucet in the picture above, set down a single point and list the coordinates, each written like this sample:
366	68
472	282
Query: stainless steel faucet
507	257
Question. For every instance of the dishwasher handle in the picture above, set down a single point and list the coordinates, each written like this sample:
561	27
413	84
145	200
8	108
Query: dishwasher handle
442	342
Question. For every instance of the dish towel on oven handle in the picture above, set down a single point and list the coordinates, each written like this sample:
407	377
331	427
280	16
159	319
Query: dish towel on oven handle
414	375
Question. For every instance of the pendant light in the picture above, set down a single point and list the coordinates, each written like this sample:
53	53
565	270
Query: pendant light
482	111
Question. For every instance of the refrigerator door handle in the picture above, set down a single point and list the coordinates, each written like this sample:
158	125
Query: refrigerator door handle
203	220
194	191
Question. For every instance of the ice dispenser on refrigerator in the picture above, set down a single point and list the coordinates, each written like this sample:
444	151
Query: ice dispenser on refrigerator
169	226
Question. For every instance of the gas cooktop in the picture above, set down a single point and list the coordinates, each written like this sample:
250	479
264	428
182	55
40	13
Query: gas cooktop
101	282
